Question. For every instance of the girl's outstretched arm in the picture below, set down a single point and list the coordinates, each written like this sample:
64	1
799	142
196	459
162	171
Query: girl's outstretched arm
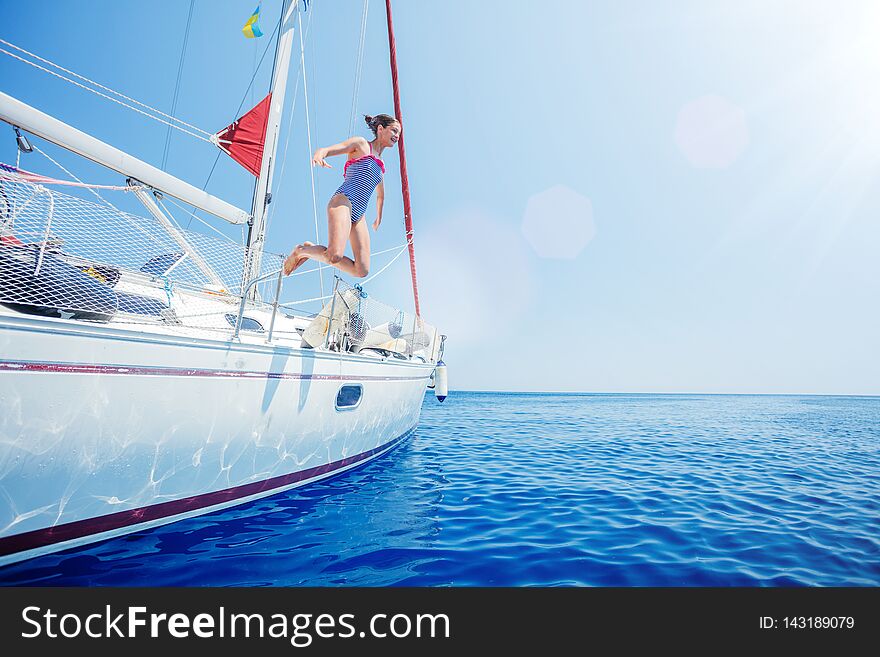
347	146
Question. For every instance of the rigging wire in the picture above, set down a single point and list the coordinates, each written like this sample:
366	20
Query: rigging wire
177	84
279	184
91	189
302	54
40	179
172	120
254	70
168	213
358	75
82	184
400	251
393	248
291	304
171	200
390	262
243	99
103	95
359	67
247	241
290	118
316	115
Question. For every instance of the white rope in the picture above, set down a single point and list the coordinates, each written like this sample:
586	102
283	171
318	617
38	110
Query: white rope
390	262
400	250
197	218
393	248
99	85
309	271
124	215
302	55
118	102
293	303
168	213
322	267
45	180
359	67
81	183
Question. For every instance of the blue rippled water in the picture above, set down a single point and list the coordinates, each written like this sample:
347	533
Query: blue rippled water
501	489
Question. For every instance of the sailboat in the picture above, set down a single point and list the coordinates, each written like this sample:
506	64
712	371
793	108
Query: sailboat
149	373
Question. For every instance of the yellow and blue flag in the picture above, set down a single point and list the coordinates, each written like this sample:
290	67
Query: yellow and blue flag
251	29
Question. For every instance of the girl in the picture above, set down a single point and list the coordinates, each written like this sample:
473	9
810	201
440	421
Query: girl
363	173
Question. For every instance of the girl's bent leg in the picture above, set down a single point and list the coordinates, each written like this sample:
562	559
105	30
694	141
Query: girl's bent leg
339	224
360	247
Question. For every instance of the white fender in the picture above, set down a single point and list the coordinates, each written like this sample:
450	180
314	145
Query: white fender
441	386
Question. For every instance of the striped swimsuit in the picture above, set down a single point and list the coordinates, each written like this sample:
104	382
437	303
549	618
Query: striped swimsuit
361	178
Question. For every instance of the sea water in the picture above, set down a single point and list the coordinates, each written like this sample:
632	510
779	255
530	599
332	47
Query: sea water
507	489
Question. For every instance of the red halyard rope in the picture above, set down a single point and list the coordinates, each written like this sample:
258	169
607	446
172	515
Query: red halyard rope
404	181
9	172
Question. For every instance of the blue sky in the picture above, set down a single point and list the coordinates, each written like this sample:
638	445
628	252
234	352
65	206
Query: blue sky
697	180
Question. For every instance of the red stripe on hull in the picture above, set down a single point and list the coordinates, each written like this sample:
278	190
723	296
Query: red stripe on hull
82	528
124	370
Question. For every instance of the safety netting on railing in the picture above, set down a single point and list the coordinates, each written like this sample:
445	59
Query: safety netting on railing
64	254
353	321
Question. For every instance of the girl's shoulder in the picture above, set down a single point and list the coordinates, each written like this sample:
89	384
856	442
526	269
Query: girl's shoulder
360	147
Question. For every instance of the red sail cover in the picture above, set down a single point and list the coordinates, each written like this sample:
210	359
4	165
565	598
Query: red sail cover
245	138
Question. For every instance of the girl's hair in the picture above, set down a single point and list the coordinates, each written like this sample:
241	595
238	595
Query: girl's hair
374	122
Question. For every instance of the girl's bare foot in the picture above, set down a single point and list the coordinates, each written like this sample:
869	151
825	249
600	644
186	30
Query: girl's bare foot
294	260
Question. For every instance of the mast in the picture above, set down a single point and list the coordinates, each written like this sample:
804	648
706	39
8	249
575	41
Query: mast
262	193
404	181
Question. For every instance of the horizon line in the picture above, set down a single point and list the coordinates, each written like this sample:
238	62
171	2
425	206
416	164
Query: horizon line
717	394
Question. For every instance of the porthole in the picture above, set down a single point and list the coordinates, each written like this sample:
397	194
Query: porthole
349	397
247	323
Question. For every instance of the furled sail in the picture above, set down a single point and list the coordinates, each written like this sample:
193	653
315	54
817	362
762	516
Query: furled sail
245	138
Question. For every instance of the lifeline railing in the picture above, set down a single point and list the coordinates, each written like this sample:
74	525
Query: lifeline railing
244	300
64	254
354	321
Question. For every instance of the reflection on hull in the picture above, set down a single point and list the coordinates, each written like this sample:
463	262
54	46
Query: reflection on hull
102	433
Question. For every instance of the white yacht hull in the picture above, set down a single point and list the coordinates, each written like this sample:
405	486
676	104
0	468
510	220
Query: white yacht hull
106	431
